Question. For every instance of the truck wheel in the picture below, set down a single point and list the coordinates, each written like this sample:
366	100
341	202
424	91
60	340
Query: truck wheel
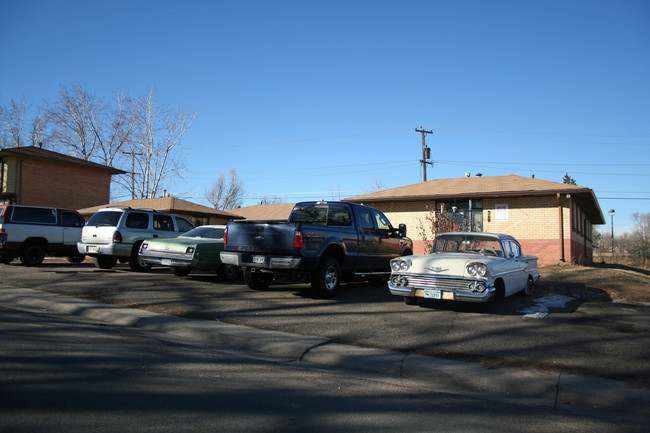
257	280
105	262
180	272
135	262
326	279
6	258
32	254
228	272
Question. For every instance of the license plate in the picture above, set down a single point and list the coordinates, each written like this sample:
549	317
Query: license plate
258	259
432	294
166	262
92	249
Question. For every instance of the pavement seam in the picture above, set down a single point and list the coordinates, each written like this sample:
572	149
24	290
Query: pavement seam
310	348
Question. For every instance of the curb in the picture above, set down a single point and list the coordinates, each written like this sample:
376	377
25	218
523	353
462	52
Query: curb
550	389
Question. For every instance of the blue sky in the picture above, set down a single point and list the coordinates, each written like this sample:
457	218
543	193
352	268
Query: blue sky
320	99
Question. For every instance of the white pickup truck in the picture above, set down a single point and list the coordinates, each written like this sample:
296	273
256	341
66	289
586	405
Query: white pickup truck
32	232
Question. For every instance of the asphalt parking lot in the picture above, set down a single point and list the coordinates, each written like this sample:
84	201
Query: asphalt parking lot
601	339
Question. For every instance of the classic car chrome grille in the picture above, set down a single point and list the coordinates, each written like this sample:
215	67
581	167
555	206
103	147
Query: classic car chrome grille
432	282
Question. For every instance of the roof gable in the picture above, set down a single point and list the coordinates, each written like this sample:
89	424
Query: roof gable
37	152
278	211
165	204
484	187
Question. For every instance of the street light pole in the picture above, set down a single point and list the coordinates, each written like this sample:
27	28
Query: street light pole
611	213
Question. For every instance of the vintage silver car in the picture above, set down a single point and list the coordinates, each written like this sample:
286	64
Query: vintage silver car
464	266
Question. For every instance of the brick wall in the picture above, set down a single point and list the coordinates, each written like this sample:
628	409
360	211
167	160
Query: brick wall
49	183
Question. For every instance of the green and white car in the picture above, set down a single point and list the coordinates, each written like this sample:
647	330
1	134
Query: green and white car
197	249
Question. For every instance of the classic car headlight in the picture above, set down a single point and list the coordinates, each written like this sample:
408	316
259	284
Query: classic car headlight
400	265
477	269
145	246
190	250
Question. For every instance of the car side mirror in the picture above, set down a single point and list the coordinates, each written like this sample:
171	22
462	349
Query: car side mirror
402	230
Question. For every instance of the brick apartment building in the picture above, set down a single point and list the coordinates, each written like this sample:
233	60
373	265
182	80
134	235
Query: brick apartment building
551	220
38	177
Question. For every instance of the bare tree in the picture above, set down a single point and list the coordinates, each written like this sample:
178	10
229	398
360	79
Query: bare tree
158	131
120	123
75	120
270	200
38	130
378	185
226	196
12	119
436	222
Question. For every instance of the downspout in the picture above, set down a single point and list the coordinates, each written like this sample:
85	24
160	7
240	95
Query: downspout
2	175
561	216
584	238
19	181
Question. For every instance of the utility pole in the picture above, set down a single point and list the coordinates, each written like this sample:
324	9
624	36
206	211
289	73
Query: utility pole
426	152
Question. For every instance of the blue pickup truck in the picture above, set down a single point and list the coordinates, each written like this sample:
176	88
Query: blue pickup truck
322	243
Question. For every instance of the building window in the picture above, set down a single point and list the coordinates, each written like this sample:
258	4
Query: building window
467	214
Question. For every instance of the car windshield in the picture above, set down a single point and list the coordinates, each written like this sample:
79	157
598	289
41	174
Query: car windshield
468	244
204	232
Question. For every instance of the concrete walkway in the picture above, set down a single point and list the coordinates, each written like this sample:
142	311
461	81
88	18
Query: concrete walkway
551	389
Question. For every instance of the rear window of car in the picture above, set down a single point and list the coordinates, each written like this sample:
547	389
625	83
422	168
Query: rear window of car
331	215
35	215
105	219
204	232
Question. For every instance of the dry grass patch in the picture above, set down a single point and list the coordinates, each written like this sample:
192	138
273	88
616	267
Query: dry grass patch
615	283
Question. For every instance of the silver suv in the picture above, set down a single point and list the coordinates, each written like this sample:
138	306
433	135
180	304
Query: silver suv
114	234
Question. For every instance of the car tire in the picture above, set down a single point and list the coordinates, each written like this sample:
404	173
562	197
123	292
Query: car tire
488	306
105	262
78	258
135	262
325	281
257	280
527	288
32	254
410	300
180	272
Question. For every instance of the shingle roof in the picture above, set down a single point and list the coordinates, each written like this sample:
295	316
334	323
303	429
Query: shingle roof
279	211
37	152
486	186
165	204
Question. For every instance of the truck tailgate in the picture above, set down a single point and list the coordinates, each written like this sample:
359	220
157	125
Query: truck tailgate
261	237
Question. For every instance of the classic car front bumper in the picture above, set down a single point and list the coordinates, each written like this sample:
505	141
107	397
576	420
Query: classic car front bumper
439	287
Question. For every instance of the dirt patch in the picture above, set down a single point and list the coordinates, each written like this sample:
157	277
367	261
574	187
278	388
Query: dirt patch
616	283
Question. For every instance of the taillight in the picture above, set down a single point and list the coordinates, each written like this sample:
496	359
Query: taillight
298	240
117	237
225	236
